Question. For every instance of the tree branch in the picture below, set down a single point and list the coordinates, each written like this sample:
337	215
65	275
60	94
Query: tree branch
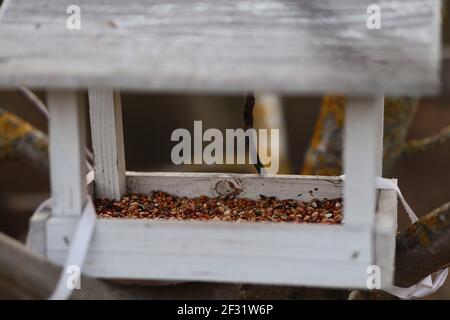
422	145
248	124
24	275
324	156
37	103
34	100
422	249
424	245
19	139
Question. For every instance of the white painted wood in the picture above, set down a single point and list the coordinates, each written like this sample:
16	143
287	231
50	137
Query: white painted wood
36	237
67	129
107	141
385	231
363	136
290	46
266	253
90	183
37	234
252	186
379	134
227	252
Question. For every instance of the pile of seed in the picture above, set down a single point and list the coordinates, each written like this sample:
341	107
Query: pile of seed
161	205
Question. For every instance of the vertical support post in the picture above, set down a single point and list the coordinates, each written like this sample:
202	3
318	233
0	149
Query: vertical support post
363	158
67	129
107	141
379	134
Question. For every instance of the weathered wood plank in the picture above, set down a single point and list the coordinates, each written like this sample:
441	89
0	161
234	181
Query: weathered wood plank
363	154
107	141
293	254
329	256
289	46
67	131
385	233
252	186
36	238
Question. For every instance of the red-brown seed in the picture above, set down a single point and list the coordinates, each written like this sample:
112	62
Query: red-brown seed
160	205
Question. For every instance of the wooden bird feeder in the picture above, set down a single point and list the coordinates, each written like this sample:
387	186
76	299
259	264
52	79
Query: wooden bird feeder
294	47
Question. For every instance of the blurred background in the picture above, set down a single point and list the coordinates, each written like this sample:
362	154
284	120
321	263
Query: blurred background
149	120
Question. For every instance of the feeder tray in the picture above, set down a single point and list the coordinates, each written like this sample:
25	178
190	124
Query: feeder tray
161	205
224	46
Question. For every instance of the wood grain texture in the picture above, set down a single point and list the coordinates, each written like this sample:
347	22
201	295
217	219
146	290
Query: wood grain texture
67	131
252	186
363	157
288	46
385	232
266	253
223	252
36	238
107	141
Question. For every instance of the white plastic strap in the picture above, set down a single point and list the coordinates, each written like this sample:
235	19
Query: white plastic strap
382	183
427	286
78	250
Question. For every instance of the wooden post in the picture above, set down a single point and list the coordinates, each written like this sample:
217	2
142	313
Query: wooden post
363	156
107	141
67	130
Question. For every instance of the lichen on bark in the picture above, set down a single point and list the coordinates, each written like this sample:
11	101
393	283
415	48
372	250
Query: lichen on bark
19	139
324	156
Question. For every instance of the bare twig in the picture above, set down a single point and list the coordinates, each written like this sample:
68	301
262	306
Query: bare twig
39	105
248	110
248	123
422	145
35	101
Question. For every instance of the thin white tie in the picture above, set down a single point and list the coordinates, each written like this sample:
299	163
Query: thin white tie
77	251
427	286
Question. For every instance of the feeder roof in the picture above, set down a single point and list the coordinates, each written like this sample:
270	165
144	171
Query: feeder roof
287	46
